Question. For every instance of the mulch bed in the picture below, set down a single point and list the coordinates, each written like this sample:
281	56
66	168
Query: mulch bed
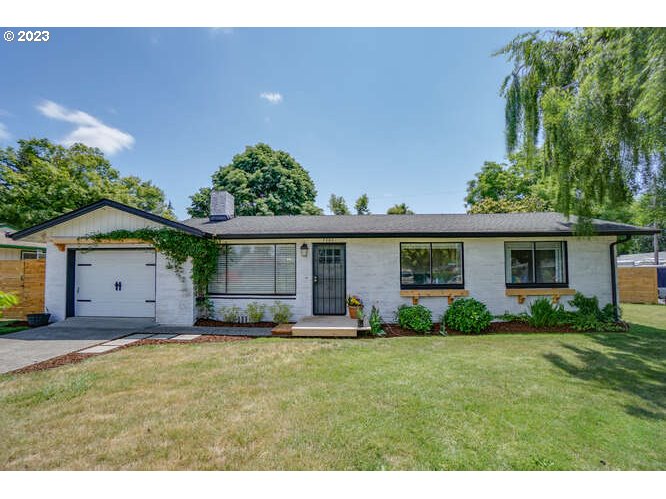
73	358
508	327
214	323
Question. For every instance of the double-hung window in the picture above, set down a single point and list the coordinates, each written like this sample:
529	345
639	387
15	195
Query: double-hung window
431	265
255	269
535	264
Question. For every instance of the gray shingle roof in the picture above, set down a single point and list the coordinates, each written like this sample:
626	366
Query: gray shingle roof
458	225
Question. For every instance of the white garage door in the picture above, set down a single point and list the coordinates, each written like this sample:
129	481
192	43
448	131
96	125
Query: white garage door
115	283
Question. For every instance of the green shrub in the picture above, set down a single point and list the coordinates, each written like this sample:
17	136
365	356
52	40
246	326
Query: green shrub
467	315
375	321
509	317
416	317
230	314
589	317
281	312
7	300
255	311
544	314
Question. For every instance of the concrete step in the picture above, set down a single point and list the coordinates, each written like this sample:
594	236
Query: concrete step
327	331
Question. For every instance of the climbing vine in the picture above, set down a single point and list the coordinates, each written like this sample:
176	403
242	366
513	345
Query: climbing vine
177	247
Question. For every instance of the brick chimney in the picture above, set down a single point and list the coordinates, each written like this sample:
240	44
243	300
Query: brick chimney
221	206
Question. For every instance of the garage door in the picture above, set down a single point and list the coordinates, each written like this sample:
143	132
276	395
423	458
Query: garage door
115	283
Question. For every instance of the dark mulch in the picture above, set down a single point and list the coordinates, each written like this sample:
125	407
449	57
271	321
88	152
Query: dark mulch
395	331
73	358
214	323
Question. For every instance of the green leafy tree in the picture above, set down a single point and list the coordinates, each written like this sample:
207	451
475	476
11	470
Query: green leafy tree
399	209
502	188
594	99
338	205
263	181
40	180
361	205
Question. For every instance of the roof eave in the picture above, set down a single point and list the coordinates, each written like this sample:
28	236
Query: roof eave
113	204
350	235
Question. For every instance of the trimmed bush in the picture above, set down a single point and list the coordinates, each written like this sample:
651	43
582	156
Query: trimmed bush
416	317
281	312
255	311
468	316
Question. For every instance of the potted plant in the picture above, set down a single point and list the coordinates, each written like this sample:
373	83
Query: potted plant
36	320
353	304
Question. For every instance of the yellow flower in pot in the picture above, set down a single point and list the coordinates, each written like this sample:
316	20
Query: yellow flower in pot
353	304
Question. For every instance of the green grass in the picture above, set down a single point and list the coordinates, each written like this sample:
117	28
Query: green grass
6	326
556	401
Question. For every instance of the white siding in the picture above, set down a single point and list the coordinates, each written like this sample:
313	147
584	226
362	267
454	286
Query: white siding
105	219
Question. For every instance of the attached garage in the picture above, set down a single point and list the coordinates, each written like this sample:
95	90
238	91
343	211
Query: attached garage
114	283
87	277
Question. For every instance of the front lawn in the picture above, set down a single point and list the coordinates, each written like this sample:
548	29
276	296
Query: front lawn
555	401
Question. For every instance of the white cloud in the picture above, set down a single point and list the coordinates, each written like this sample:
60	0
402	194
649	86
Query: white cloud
272	97
89	130
4	133
221	31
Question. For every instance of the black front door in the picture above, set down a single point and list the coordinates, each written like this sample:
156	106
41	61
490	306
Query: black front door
328	279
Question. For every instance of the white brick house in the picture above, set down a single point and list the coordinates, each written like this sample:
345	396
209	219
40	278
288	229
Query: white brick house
313	262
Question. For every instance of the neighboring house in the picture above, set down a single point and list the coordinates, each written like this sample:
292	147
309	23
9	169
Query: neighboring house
641	259
14	250
313	262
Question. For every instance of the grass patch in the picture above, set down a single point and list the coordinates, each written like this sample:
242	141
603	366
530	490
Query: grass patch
6	329
557	401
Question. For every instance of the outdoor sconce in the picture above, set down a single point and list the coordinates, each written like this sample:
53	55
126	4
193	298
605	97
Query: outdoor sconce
304	250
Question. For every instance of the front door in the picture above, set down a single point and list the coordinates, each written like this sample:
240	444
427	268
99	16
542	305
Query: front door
328	279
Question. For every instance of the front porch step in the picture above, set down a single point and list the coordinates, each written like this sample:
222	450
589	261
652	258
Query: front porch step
325	325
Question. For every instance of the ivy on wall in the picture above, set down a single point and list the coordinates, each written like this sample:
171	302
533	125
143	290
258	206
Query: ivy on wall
177	247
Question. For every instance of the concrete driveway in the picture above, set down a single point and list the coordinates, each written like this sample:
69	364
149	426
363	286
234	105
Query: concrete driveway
28	347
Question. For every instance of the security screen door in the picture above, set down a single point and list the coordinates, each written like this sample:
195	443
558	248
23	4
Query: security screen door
328	279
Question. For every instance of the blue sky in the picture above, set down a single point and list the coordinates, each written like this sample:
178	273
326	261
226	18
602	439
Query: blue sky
406	115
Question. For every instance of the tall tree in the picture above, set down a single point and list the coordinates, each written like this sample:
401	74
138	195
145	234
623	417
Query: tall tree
399	209
501	188
41	180
595	99
338	205
263	181
361	205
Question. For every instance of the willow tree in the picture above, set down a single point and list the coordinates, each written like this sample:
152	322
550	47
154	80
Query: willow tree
592	103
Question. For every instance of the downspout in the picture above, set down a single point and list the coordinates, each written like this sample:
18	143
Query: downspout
613	263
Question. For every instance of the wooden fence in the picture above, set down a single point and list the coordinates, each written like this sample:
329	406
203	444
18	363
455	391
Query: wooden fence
637	284
25	279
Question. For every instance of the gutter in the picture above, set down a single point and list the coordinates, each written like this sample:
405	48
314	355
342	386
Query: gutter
613	262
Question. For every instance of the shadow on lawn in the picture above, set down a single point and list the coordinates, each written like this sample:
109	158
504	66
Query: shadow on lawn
632	363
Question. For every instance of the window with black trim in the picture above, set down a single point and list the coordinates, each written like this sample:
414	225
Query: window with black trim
33	254
255	269
536	263
431	265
